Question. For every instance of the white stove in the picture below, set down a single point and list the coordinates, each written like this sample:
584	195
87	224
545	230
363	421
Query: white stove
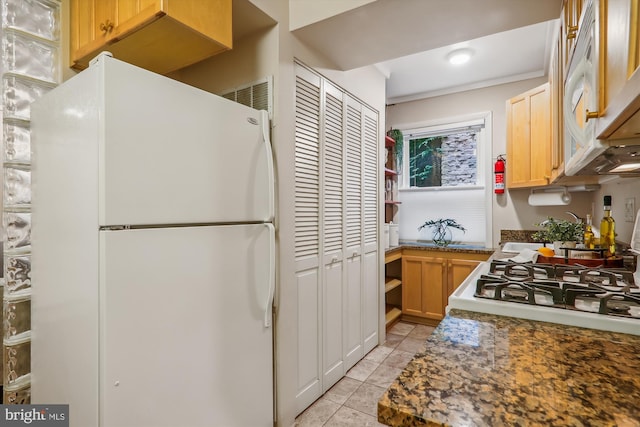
596	298
515	304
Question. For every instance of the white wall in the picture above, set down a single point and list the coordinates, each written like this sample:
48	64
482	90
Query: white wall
306	12
251	58
511	210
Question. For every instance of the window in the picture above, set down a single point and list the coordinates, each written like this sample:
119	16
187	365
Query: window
443	155
446	172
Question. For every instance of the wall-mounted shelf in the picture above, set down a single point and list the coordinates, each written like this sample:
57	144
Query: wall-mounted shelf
393	258
391	283
389	142
392	314
391	182
393	286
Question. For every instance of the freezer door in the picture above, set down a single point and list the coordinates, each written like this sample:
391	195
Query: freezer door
183	340
171	153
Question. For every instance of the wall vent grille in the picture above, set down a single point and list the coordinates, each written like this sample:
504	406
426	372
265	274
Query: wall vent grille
258	95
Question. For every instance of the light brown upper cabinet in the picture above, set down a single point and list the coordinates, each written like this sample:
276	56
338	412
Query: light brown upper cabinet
158	35
529	138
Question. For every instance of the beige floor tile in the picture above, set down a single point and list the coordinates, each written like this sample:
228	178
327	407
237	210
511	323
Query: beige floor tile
347	417
362	369
411	345
421	332
402	328
398	359
378	354
353	401
317	414
365	399
393	340
342	390
383	376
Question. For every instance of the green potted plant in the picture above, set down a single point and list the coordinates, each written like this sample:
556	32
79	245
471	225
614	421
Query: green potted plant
560	232
441	231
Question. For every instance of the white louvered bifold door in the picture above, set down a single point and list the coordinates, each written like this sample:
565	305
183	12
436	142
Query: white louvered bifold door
353	349
307	235
371	187
336	232
332	233
371	183
353	146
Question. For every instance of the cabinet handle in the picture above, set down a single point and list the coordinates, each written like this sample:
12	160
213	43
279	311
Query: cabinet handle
590	115
334	259
106	27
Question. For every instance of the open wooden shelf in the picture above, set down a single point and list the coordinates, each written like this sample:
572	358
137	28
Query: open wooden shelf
388	141
391	283
392	314
392	256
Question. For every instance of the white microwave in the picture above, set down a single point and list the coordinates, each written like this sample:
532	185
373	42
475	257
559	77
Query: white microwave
584	154
580	103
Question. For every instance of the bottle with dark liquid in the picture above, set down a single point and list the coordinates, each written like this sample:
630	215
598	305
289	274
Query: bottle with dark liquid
608	229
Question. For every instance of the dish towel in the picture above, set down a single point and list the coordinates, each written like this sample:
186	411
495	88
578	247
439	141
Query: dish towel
525	255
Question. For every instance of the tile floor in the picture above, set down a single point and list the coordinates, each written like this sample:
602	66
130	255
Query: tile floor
353	401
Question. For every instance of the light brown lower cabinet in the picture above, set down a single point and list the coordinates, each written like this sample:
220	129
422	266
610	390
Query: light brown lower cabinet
428	280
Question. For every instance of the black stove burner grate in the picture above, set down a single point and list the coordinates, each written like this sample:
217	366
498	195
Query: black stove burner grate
599	290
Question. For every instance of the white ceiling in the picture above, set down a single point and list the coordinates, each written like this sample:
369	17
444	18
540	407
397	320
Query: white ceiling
408	41
513	55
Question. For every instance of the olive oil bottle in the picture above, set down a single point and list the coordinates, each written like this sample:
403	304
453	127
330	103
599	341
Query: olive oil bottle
608	229
589	238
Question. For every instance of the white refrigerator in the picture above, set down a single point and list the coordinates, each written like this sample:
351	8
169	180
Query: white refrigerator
153	253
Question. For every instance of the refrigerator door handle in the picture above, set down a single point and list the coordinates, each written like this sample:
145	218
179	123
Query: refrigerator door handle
270	167
272	275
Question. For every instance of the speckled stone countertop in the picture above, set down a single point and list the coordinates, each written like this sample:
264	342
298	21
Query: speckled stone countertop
487	370
426	246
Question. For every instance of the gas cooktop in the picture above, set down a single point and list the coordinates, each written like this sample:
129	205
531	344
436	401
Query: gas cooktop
605	291
598	298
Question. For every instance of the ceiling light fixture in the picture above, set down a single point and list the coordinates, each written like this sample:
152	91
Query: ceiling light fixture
459	56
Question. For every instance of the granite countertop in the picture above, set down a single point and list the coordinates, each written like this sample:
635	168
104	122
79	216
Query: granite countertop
428	246
488	370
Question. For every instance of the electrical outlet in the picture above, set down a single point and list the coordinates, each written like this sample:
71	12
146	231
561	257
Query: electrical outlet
630	209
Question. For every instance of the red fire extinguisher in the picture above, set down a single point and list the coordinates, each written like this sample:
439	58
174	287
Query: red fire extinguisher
498	169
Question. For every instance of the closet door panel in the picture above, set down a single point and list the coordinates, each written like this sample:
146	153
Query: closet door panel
354	231
307	237
332	184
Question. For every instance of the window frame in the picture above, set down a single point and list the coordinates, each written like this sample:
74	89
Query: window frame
447	126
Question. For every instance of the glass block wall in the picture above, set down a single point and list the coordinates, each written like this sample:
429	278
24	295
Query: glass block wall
31	66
